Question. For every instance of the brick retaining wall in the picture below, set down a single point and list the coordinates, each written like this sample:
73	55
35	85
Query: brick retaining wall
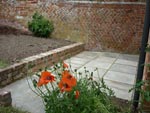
34	63
5	98
102	26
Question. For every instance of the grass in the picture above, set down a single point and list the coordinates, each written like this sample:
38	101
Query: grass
3	64
11	110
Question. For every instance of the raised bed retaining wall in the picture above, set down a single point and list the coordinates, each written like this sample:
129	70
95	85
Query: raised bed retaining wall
34	63
5	98
102	26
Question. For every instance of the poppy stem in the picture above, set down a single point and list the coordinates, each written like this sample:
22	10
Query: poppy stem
41	92
32	88
52	86
47	89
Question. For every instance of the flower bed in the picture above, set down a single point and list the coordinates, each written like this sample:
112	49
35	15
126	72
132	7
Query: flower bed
64	90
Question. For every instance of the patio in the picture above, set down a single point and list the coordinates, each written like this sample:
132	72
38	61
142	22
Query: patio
118	70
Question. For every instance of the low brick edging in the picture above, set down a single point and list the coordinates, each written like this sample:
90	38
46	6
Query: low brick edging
5	98
34	63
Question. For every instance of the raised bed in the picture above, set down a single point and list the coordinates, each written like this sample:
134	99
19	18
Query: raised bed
34	63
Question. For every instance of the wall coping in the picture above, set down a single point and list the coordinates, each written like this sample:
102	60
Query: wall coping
42	55
108	3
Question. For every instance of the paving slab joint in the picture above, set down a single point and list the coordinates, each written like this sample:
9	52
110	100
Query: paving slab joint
111	65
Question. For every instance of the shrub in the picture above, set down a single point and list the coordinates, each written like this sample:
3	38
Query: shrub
40	26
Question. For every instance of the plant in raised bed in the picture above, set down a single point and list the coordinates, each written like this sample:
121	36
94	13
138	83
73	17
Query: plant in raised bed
3	64
40	26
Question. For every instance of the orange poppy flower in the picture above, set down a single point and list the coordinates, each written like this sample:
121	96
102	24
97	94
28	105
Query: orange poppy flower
64	86
45	78
67	82
77	93
68	79
65	65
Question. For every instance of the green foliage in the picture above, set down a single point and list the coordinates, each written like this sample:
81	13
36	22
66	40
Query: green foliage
145	93
40	26
143	86
148	48
3	64
94	96
91	100
11	110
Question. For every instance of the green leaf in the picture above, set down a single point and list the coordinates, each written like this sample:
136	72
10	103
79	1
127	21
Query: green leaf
34	83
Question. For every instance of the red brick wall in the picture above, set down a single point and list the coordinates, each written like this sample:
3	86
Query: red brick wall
147	61
110	0
102	26
146	106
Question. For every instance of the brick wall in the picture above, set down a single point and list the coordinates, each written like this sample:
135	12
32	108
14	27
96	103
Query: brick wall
5	98
109	0
100	0
146	106
109	26
34	63
147	61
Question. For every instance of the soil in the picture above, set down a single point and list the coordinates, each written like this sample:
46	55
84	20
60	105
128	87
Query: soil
16	47
123	105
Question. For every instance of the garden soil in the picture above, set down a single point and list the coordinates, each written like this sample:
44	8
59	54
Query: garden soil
13	47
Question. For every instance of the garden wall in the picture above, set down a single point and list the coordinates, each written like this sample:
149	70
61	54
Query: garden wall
146	105
109	26
34	63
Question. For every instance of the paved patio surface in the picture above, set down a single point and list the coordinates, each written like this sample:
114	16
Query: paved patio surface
118	70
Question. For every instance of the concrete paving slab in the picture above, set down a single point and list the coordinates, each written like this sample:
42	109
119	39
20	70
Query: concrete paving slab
121	90
24	98
76	60
124	68
120	77
75	66
102	65
109	54
87	55
127	62
118	85
129	57
122	94
97	73
105	59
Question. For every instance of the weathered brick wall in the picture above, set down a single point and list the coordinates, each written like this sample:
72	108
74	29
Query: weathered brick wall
110	0
102	26
5	98
147	61
146	105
